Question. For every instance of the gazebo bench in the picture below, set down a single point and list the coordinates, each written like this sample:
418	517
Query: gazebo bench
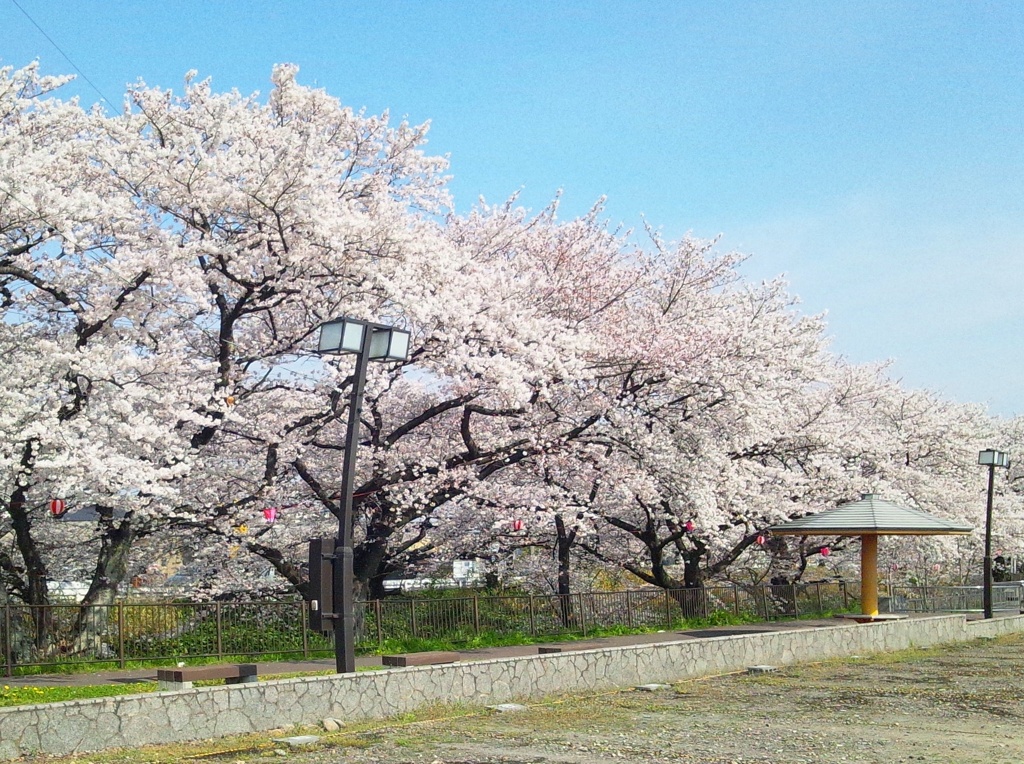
420	659
182	677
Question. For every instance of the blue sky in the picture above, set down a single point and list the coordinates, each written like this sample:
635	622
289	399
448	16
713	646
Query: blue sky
873	153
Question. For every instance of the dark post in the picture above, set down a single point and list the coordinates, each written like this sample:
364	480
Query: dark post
992	459
378	615
120	635
988	543
335	337
344	578
8	641
220	632
305	629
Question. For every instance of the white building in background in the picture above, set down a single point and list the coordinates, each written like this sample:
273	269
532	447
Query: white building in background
465	573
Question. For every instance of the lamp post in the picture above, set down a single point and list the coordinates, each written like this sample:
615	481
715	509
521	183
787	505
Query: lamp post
368	342
992	459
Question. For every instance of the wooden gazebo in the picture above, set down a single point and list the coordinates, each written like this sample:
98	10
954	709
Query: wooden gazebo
869	518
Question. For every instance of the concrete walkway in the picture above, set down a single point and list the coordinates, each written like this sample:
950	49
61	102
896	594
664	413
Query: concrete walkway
126	676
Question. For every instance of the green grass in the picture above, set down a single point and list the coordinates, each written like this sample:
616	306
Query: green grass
507	639
26	695
84	666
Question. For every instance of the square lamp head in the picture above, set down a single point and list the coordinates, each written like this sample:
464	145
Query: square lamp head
389	344
993	458
341	335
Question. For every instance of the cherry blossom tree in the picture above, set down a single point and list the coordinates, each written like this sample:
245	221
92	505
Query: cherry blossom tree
161	273
84	413
591	391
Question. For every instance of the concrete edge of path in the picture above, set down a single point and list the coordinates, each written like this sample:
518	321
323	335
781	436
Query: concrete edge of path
131	721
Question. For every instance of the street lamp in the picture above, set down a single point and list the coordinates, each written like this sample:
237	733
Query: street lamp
368	342
992	459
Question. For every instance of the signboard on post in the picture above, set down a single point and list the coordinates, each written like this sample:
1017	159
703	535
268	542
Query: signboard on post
321	585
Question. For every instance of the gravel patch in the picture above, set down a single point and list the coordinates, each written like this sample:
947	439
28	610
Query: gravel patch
959	704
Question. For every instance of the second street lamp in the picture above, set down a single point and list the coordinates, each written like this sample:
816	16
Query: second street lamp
992	459
368	342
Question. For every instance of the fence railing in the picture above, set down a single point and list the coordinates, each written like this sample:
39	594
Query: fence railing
953	599
34	636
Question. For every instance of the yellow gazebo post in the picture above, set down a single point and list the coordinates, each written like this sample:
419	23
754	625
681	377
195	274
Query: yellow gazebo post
869	574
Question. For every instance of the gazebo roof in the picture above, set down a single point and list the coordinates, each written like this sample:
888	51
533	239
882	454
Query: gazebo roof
870	516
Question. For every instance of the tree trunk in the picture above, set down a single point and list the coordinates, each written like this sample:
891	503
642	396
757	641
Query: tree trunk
288	570
783	595
370	567
563	547
693	576
19	642
362	594
111	569
691	597
34	593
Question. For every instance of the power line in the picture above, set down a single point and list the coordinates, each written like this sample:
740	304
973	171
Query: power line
59	50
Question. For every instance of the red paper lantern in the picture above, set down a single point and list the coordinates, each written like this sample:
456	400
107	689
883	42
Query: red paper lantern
689	526
825	551
761	540
270	514
58	507
517	525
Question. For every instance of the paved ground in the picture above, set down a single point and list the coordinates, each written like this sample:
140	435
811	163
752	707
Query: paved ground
125	676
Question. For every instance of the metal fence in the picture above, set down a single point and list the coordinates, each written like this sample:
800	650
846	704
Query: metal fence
1007	597
462	618
125	632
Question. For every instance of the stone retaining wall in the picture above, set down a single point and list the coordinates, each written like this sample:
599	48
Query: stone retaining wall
165	717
